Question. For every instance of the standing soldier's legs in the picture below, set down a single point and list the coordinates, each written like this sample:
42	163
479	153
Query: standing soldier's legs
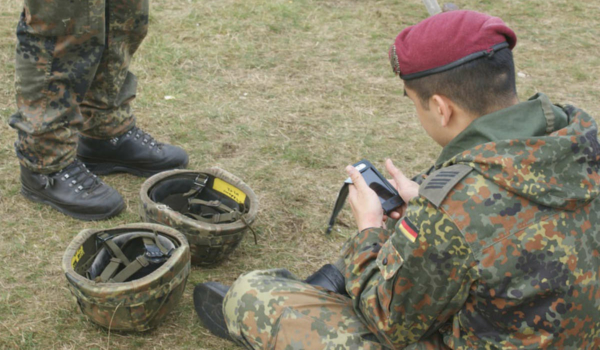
106	107
110	141
59	45
273	310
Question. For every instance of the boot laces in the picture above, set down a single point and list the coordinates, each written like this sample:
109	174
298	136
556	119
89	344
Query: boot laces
144	137
79	177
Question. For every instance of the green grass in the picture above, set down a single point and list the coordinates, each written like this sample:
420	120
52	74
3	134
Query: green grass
282	93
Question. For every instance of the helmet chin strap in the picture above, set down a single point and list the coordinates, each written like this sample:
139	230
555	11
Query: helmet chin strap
199	185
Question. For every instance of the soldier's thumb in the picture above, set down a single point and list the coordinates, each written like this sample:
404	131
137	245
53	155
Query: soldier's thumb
397	175
357	179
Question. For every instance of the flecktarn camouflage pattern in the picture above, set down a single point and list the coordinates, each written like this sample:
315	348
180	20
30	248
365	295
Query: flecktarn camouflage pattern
501	250
72	74
505	255
139	304
274	310
211	207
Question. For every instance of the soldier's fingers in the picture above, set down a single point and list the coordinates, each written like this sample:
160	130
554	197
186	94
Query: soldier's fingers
351	192
357	179
398	212
407	188
351	199
396	173
393	183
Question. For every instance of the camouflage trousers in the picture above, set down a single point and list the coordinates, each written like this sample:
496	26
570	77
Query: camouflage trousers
72	75
274	310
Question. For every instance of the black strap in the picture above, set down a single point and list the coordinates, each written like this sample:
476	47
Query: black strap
489	53
339	204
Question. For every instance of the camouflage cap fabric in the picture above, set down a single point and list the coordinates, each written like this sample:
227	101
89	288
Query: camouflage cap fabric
209	242
137	305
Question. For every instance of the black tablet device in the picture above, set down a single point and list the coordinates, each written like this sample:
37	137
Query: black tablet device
389	197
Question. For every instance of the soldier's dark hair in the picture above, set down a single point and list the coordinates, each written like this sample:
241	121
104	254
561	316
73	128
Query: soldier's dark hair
479	86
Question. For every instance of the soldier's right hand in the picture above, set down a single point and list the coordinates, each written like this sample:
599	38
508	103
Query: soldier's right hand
365	204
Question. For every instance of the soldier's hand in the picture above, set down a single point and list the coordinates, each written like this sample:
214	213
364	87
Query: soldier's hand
407	188
366	207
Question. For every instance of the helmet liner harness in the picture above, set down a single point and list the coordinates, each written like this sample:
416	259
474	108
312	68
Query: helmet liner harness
107	264
127	278
211	207
200	203
212	211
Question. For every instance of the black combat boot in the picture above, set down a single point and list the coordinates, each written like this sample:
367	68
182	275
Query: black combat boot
73	191
134	152
330	278
208	302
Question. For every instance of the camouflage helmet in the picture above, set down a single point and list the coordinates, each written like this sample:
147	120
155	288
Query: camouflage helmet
211	207
130	277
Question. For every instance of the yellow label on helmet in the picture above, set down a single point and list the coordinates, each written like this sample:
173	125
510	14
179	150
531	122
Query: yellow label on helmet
77	256
230	191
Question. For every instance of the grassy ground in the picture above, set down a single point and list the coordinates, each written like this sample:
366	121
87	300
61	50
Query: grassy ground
282	93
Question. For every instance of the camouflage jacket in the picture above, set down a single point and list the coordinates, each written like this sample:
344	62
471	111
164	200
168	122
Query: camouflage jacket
502	247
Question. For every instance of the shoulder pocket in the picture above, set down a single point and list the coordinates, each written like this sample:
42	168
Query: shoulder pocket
389	260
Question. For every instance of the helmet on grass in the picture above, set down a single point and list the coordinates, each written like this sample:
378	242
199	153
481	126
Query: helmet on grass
129	277
211	207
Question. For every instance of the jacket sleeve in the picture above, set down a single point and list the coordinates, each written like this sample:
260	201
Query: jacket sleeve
407	283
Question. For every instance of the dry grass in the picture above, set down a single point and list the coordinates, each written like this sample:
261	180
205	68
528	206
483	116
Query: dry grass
283	94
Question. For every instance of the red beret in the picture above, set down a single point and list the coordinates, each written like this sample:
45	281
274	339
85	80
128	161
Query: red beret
448	40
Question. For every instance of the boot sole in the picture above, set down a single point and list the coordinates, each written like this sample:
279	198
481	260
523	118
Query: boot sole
85	217
208	304
112	168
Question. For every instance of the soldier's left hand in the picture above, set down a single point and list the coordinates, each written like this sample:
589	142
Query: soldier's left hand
366	207
407	188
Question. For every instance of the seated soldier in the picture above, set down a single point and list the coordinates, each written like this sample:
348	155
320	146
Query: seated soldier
498	246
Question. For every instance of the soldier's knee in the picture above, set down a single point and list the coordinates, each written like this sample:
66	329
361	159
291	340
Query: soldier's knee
252	289
235	304
241	287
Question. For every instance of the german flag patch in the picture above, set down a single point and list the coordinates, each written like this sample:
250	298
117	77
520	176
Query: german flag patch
409	230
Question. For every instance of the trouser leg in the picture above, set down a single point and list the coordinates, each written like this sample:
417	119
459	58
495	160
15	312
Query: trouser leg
59	45
274	310
106	108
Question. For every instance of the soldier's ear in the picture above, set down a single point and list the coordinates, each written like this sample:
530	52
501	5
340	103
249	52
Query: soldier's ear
443	109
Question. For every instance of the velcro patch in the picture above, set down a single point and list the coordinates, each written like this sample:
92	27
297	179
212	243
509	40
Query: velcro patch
437	186
409	230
